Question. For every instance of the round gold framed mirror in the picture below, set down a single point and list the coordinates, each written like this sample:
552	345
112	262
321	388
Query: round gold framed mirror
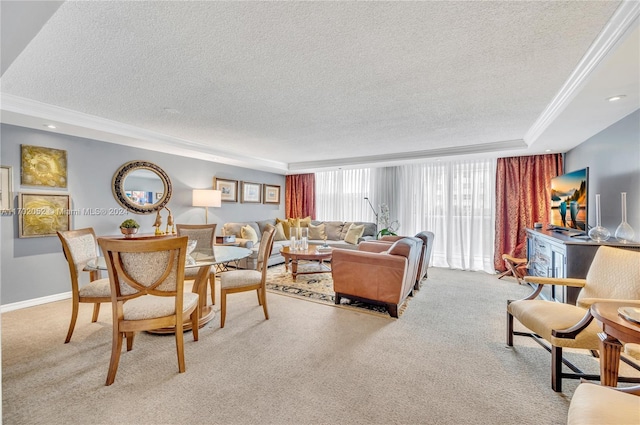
141	187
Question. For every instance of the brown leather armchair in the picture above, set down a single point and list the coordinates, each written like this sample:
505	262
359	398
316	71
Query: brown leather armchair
427	244
377	273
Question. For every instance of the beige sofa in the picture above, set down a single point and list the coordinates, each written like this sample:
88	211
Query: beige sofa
334	230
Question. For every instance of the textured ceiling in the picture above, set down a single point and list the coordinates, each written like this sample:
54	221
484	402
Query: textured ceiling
291	82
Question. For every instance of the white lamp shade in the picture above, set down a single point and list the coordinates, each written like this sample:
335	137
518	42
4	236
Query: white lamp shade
207	198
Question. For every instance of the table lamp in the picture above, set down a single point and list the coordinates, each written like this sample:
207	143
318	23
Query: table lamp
207	198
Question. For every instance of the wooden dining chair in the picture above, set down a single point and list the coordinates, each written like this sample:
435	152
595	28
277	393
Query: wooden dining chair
79	247
147	279
205	235
249	280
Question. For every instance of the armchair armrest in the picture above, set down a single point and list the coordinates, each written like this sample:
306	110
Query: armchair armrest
391	238
373	246
578	283
588	302
634	389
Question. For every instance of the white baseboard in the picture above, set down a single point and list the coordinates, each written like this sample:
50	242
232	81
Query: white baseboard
34	302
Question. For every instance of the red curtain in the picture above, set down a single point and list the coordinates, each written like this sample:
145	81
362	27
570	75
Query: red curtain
300	196
523	197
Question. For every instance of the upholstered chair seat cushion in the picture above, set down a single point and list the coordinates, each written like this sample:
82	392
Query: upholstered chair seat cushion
97	288
152	306
239	278
632	350
596	405
191	272
543	316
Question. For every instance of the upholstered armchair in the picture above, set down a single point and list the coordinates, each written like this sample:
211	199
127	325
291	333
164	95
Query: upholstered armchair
377	273
596	405
425	258
614	275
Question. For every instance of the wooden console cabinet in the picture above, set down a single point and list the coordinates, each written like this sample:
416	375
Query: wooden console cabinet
555	254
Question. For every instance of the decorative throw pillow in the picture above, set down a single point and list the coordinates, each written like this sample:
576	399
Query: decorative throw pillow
317	232
279	236
354	233
294	222
285	227
247	232
305	222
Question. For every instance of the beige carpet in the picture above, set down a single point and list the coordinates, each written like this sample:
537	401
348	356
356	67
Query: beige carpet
443	362
318	287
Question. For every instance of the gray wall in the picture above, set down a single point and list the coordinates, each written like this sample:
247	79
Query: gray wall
35	267
613	158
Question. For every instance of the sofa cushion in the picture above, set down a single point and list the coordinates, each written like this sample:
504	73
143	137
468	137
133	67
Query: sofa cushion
285	227
247	232
262	224
235	229
317	232
332	229
280	236
369	228
354	233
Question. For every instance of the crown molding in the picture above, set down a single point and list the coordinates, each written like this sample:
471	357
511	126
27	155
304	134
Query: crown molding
624	18
124	134
411	156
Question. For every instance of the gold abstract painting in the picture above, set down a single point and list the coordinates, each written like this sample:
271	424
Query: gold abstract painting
44	166
43	214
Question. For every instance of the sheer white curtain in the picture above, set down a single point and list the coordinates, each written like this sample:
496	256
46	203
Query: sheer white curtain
340	195
454	200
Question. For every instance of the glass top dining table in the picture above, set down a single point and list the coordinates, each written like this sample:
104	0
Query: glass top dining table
218	255
204	259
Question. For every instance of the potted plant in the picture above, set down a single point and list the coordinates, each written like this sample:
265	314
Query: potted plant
390	227
129	227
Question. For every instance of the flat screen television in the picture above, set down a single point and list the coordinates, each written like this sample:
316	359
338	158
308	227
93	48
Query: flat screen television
569	200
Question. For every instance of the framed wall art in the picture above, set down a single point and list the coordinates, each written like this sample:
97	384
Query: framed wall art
251	192
6	188
43	214
43	166
271	194
229	189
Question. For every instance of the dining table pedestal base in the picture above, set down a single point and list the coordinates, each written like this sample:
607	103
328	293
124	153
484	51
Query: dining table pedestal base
207	313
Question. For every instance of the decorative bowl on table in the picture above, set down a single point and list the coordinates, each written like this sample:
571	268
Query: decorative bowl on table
128	232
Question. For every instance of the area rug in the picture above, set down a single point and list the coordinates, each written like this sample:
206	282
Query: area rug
318	288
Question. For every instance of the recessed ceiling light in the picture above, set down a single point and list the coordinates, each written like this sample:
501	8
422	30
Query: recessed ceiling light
616	97
548	150
50	126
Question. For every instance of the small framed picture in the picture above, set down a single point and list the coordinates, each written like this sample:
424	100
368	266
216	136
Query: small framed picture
159	195
271	194
43	214
6	188
251	192
229	189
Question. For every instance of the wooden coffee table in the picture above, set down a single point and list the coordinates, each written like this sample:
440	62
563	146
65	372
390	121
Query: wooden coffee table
310	254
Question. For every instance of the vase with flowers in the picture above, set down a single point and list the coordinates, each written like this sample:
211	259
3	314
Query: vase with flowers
389	227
